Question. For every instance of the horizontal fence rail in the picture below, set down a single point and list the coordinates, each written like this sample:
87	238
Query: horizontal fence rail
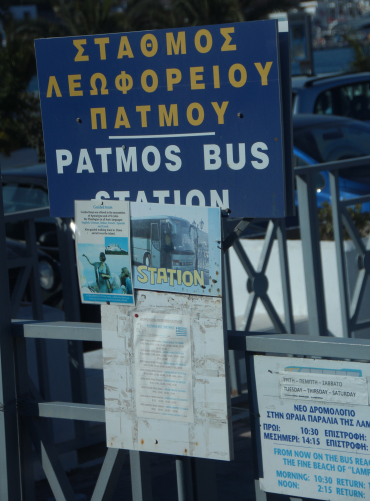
26	215
290	344
352	163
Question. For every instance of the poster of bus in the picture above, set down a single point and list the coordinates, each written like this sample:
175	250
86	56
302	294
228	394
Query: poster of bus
103	251
176	248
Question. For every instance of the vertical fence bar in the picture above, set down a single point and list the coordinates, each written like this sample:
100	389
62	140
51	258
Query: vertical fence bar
311	254
184	479
25	443
285	276
36	295
10	486
255	429
234	356
338	237
37	310
227	298
71	302
141	476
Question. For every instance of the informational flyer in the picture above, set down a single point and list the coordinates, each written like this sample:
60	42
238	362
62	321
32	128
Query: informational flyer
103	251
163	366
314	427
176	248
166	387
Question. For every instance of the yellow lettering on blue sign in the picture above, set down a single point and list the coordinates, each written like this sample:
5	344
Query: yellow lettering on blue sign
149	45
124	48
74	83
263	71
143	110
102	43
243	75
216	77
103	119
203	49
103	89
121	119
78	44
176	46
220	111
171	117
189	114
53	85
173	77
196	77
124	82
225	33
144	80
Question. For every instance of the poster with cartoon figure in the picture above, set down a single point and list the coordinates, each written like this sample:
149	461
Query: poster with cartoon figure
103	251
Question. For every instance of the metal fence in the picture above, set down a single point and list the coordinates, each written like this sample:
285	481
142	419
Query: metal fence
23	407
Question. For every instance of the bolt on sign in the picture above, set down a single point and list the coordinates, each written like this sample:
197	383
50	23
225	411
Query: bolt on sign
183	116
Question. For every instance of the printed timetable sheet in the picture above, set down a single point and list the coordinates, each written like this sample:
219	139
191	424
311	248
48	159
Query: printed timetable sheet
314	423
163	366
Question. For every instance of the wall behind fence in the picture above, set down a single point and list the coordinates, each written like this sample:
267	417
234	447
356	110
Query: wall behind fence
331	286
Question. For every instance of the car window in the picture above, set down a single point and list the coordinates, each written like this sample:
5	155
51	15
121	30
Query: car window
299	162
17	197
324	105
348	101
333	141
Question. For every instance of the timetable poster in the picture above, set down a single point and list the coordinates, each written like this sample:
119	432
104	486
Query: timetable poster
103	251
314	427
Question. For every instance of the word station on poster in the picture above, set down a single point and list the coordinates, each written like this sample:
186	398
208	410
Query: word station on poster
163	367
103	252
314	427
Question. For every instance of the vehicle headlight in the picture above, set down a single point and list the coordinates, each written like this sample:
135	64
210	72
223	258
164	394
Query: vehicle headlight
46	275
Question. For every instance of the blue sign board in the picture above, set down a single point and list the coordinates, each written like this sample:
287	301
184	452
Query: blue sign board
183	116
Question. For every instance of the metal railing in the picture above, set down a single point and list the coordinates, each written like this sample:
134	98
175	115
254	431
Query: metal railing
23	409
311	247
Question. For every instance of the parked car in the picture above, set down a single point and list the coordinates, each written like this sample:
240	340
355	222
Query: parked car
345	95
26	188
319	139
49	274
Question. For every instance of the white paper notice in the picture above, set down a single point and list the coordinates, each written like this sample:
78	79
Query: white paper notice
103	251
327	388
163	366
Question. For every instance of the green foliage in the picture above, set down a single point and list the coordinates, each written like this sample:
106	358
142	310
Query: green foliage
361	60
89	17
203	12
19	110
148	15
361	221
